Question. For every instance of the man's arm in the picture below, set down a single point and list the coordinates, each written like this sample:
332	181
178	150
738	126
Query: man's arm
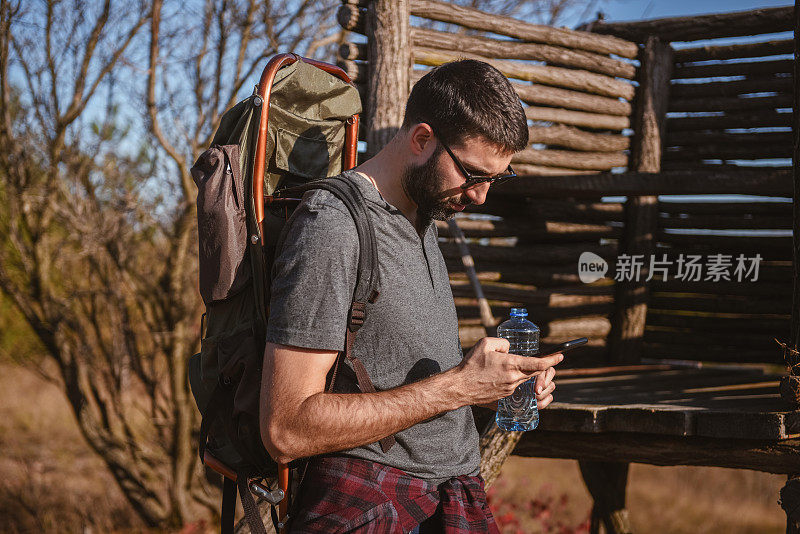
300	419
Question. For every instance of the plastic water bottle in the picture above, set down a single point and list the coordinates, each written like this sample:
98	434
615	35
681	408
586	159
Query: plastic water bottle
519	411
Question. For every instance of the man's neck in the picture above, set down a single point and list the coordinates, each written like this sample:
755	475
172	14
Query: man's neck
386	171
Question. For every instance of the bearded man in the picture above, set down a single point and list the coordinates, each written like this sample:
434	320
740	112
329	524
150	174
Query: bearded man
463	122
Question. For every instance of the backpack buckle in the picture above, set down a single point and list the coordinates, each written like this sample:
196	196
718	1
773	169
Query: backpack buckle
356	316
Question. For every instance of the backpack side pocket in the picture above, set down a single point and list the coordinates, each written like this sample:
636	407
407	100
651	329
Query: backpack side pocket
221	223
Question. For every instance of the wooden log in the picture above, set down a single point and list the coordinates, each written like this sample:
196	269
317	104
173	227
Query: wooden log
357	71
760	289
566	298
761	455
752	209
360	3
726	222
731	103
763	119
709	338
540	276
389	63
505	49
353	51
577	139
580	160
712	353
530	230
719	303
790	502
697	27
794	327
714	166
641	212
577	118
544	254
729	151
352	18
523	169
734	51
703	138
753	68
564	98
557	76
502	25
728	244
701	182
606	482
698	323
761	84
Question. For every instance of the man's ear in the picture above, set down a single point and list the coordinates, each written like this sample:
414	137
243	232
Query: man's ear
421	139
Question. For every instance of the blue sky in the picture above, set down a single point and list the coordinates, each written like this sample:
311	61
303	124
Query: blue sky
620	10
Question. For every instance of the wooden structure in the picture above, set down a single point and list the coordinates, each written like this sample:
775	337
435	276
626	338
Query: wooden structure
682	368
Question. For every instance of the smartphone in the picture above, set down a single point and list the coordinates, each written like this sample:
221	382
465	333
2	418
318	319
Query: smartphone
564	347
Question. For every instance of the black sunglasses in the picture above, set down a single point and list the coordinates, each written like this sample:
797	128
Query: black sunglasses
471	180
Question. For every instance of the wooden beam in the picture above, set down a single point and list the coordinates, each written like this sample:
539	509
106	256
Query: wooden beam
599	161
524	169
736	51
577	118
505	49
352	18
641	212
501	25
794	331
353	51
697	27
751	119
699	182
702	138
563	98
389	64
577	139
760	84
731	151
606	482
761	455
752	68
570	78
731	103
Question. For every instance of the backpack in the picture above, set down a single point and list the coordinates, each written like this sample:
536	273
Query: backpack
312	115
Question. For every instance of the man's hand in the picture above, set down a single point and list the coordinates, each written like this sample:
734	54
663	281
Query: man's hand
488	373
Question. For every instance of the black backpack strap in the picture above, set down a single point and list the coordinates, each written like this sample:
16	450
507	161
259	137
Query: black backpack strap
228	506
249	505
367	278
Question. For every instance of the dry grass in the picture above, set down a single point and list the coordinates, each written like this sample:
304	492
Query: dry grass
51	482
675	500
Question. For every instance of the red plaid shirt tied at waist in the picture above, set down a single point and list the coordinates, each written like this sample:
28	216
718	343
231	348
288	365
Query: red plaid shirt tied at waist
349	495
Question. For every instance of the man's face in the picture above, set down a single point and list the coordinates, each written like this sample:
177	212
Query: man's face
435	185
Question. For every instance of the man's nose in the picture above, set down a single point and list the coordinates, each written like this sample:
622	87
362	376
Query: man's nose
478	193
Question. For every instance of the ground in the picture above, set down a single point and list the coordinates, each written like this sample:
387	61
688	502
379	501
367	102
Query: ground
50	481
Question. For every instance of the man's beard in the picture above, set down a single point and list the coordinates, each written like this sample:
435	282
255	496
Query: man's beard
424	185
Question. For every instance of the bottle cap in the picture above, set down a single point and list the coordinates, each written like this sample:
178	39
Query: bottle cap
519	312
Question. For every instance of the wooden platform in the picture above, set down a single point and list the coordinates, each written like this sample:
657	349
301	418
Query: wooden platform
665	415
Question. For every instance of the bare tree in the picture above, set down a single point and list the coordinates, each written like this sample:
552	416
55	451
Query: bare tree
103	107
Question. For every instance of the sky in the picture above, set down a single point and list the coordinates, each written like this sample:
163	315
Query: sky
625	10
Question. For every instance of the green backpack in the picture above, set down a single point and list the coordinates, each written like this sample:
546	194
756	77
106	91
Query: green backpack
309	110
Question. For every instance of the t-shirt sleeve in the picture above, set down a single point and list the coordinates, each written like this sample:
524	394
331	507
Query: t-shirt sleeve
313	278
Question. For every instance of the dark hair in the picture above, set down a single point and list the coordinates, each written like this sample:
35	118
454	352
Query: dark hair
468	98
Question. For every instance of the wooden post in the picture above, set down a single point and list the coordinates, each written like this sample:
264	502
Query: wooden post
389	60
790	493
606	482
641	212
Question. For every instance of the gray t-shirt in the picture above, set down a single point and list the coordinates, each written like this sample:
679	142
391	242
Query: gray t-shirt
411	331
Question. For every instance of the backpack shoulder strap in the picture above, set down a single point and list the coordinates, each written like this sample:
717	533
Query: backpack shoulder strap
367	277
